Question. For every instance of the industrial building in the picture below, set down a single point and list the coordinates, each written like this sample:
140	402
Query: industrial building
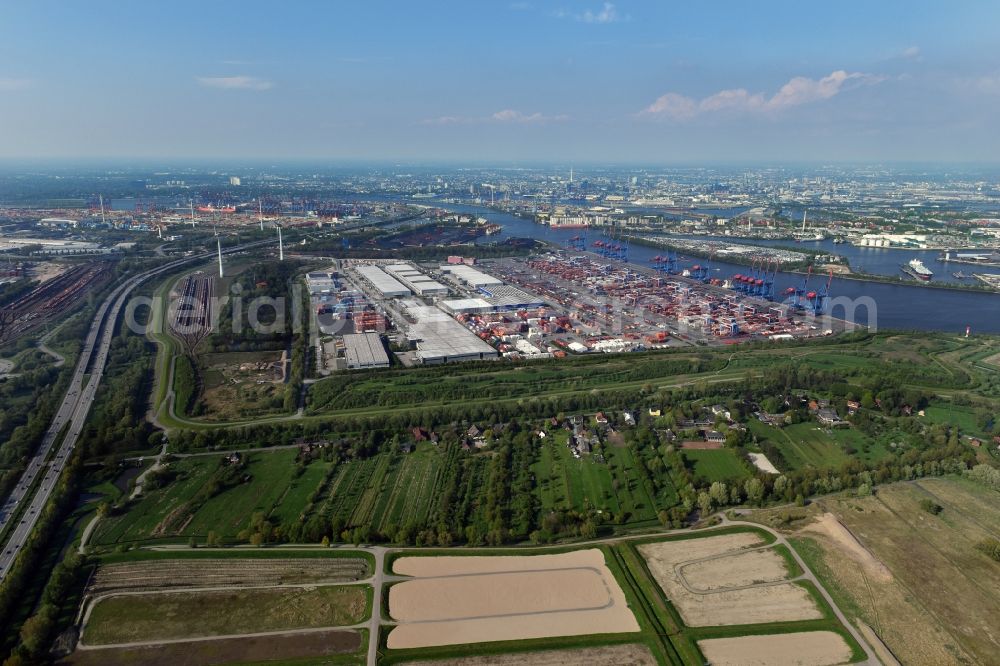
365	351
471	276
421	284
386	285
321	283
441	339
50	246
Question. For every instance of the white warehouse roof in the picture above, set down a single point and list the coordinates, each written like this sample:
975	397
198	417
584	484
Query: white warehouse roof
388	286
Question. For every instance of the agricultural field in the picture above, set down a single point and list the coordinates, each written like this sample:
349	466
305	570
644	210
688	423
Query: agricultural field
716	464
384	491
161	616
915	577
336	646
808	648
609	655
197	501
755	595
486	607
456	600
145	573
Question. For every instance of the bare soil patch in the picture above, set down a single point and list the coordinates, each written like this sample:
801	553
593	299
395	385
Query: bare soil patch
754	605
756	566
454	599
610	655
224	651
808	648
829	525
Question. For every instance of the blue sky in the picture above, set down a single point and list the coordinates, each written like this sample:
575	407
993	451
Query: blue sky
627	81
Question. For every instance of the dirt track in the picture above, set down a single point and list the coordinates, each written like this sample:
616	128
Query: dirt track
829	525
454	600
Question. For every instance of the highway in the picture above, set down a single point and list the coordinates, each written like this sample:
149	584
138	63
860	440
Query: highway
41	473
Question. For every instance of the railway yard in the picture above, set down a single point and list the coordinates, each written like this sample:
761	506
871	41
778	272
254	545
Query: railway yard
53	297
192	316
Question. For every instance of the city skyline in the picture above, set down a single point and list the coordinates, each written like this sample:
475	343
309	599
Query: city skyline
538	82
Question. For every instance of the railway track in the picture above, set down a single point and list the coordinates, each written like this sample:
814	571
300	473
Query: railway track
21	510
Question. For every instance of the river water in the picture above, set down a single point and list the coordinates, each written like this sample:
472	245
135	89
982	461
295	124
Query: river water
870	303
892	306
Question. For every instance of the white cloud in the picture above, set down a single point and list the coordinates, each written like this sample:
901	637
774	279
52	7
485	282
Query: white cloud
235	82
799	90
910	53
673	105
511	116
607	14
7	85
988	84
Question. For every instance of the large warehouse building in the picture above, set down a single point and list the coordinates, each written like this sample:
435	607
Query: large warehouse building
412	277
365	350
383	283
471	276
441	339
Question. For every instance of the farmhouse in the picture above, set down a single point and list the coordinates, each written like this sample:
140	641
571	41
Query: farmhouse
829	417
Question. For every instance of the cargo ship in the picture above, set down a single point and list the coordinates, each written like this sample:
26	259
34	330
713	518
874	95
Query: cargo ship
212	209
917	270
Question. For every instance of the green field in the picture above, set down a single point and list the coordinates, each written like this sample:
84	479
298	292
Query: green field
275	488
958	416
716	464
807	444
173	615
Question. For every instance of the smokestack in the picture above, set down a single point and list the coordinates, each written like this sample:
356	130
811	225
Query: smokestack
192	213
218	245
260	213
803	220
103	221
281	246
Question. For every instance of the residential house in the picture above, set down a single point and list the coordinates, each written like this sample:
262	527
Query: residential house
829	417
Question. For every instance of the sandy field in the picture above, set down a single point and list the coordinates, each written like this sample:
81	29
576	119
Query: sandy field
828	525
809	648
453	600
761	462
756	566
610	655
753	605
